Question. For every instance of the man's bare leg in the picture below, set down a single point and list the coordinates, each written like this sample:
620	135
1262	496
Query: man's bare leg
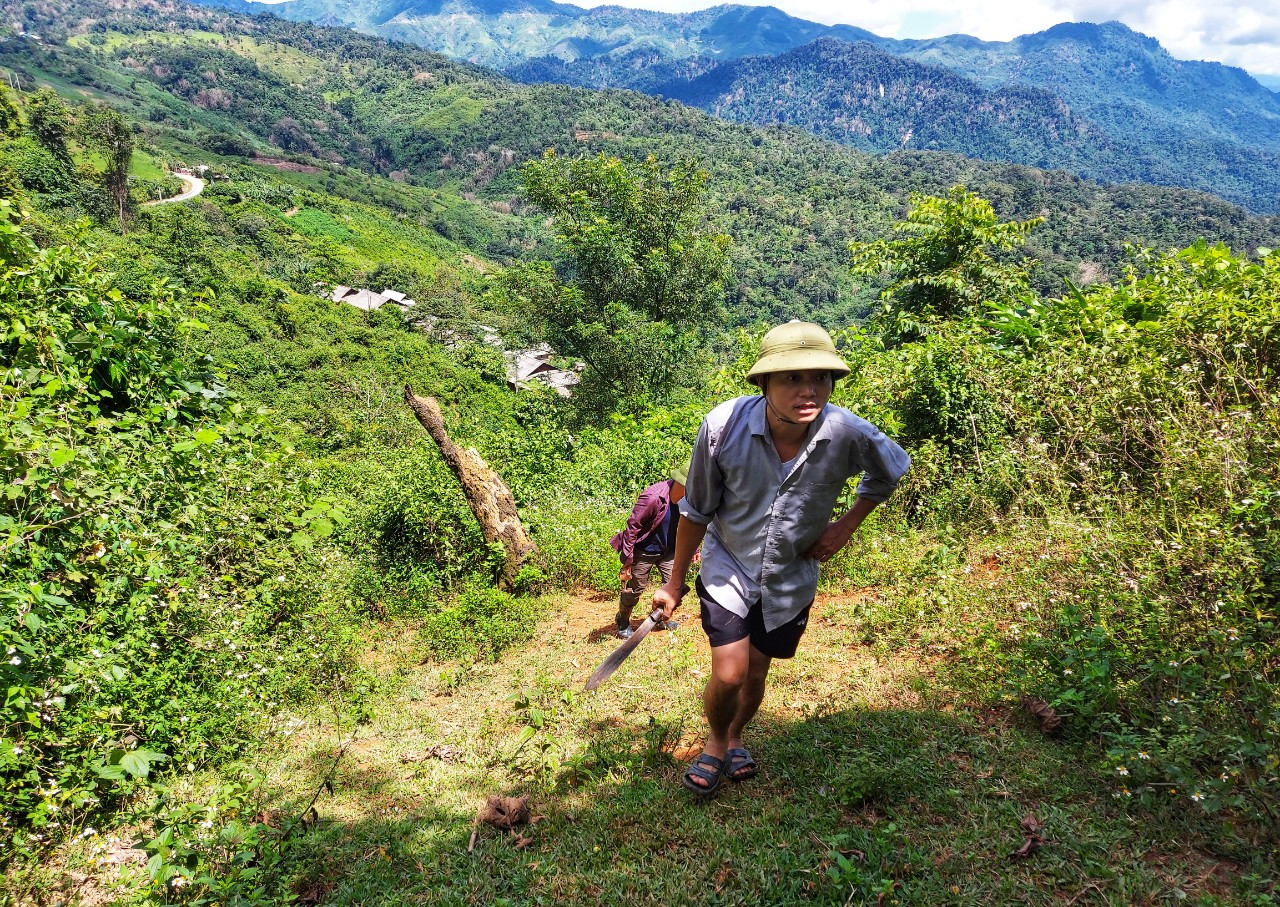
750	695
721	701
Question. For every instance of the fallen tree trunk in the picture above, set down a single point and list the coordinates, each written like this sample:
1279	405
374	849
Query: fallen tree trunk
489	497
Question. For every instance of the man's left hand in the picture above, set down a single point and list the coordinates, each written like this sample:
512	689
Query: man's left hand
833	538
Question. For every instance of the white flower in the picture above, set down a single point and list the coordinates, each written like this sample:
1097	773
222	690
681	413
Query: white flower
1197	796
1068	671
17	751
15	660
1122	771
1143	755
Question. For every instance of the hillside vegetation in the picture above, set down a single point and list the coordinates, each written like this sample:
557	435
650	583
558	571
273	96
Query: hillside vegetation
790	202
252	627
1136	112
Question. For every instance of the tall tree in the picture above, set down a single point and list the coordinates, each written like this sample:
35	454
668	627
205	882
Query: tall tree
942	263
105	129
640	277
49	121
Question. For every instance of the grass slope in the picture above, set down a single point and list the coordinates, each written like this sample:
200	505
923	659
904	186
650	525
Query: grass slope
891	774
878	779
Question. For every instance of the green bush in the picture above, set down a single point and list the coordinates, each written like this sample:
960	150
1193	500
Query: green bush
418	538
480	623
38	169
156	608
1143	415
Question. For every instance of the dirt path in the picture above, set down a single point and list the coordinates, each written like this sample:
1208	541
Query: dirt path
878	785
865	754
194	185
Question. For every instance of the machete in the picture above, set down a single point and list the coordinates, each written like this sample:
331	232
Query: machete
614	661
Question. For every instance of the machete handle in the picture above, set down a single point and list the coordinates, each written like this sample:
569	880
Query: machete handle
656	613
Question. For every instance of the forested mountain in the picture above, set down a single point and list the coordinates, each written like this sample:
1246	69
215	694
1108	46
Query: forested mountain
865	97
1131	111
504	33
232	85
861	96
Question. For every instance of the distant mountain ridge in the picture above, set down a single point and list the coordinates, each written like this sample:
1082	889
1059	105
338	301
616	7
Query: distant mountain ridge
860	95
1100	100
504	33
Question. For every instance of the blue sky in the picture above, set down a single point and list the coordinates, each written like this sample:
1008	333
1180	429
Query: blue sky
1245	34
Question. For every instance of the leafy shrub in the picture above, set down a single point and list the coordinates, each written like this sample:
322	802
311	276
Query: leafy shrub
1142	415
422	538
155	607
479	624
224	849
38	169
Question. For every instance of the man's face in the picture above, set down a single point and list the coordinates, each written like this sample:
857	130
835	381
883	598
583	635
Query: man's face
799	396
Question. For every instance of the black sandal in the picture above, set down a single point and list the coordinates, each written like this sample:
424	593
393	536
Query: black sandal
741	765
710	774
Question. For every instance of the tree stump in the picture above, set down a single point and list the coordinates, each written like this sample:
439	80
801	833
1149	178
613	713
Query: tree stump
488	496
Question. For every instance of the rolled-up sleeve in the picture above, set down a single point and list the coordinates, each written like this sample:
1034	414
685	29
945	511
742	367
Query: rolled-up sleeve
882	463
703	490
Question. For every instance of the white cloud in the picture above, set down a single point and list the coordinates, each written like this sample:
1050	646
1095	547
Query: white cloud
1246	34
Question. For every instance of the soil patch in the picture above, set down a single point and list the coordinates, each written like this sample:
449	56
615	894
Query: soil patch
282	164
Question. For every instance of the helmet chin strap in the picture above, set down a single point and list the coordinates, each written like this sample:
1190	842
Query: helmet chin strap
773	409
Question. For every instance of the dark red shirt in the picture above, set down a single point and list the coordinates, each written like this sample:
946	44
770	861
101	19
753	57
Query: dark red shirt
646	518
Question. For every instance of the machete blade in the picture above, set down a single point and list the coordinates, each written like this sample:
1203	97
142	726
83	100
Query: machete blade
615	660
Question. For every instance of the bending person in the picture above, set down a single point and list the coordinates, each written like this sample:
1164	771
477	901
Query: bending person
648	542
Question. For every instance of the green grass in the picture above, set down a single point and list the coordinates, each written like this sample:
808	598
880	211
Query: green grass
880	777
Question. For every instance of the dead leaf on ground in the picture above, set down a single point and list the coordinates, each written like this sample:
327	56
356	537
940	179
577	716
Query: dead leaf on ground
441	751
505	812
311	892
521	842
884	895
1050	721
274	818
120	853
1031	828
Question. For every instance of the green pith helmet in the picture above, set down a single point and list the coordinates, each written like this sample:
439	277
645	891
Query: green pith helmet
794	347
680	472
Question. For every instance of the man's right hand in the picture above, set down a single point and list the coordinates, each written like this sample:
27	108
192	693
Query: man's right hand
668	599
625	574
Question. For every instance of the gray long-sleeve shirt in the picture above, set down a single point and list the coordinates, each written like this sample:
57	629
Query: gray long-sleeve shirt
762	518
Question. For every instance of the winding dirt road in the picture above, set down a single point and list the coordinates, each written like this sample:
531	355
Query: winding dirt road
194	186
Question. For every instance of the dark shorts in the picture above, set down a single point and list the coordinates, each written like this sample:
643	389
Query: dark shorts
722	627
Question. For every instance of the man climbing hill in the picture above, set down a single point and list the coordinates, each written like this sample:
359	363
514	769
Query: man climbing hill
764	480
